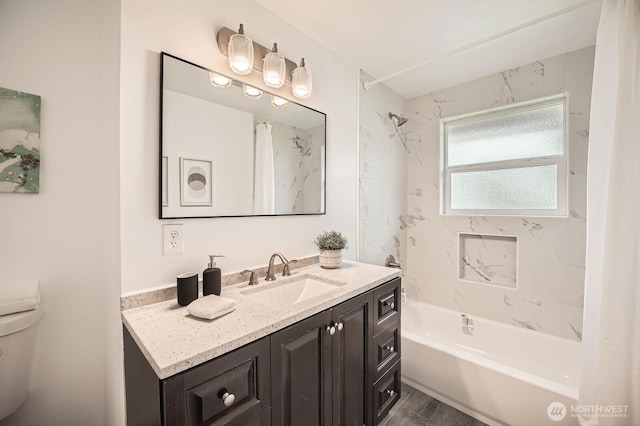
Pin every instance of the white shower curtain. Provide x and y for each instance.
(264, 174)
(610, 363)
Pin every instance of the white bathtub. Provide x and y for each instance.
(501, 374)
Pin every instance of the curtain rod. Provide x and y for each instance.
(492, 37)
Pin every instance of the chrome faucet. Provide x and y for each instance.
(253, 280)
(390, 262)
(285, 269)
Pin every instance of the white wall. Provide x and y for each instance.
(206, 131)
(187, 29)
(383, 176)
(550, 252)
(67, 52)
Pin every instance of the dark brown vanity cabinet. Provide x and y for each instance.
(341, 366)
(338, 367)
(320, 367)
(230, 390)
(386, 348)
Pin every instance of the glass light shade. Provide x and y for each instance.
(301, 83)
(278, 102)
(218, 80)
(240, 53)
(251, 92)
(274, 68)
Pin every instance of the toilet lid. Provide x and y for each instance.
(15, 322)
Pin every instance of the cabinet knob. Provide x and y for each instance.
(391, 392)
(389, 348)
(340, 326)
(331, 329)
(228, 399)
(390, 304)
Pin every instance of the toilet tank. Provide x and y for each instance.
(17, 342)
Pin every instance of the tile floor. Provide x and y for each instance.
(416, 408)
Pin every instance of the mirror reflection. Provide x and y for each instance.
(229, 151)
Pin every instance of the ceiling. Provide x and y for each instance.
(385, 37)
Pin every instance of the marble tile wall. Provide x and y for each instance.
(296, 154)
(383, 174)
(550, 251)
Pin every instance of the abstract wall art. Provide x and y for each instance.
(195, 182)
(19, 142)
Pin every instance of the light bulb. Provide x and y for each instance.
(240, 52)
(301, 82)
(251, 92)
(278, 102)
(274, 68)
(219, 80)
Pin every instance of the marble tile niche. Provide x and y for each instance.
(488, 259)
(548, 296)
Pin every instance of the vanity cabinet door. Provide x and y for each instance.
(352, 360)
(301, 373)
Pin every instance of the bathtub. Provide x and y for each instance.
(501, 374)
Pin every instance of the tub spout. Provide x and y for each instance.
(390, 262)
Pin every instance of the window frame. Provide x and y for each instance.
(561, 161)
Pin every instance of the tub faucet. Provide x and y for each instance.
(390, 262)
(285, 269)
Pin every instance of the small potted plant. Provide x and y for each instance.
(331, 244)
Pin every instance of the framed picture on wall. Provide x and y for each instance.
(165, 181)
(195, 182)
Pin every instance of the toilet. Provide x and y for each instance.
(17, 342)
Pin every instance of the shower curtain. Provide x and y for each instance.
(264, 174)
(610, 363)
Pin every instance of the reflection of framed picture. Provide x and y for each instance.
(195, 182)
(165, 181)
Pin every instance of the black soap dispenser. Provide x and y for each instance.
(212, 278)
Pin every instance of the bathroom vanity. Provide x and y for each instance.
(330, 359)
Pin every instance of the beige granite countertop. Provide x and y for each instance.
(173, 341)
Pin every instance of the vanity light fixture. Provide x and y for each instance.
(251, 92)
(240, 52)
(247, 55)
(301, 83)
(274, 68)
(278, 102)
(219, 80)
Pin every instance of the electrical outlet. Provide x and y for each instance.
(172, 239)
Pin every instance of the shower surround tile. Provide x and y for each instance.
(382, 182)
(551, 251)
(296, 156)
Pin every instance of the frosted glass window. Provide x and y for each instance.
(508, 161)
(530, 188)
(525, 134)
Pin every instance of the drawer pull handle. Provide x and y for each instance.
(340, 326)
(228, 399)
(389, 348)
(391, 392)
(390, 304)
(331, 329)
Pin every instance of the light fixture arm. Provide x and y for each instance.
(259, 52)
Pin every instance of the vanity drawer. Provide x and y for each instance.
(386, 392)
(387, 304)
(386, 349)
(230, 390)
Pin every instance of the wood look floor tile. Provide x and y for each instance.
(415, 409)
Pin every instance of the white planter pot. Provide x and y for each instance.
(330, 259)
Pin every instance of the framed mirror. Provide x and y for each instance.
(223, 153)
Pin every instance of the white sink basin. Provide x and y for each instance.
(293, 291)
